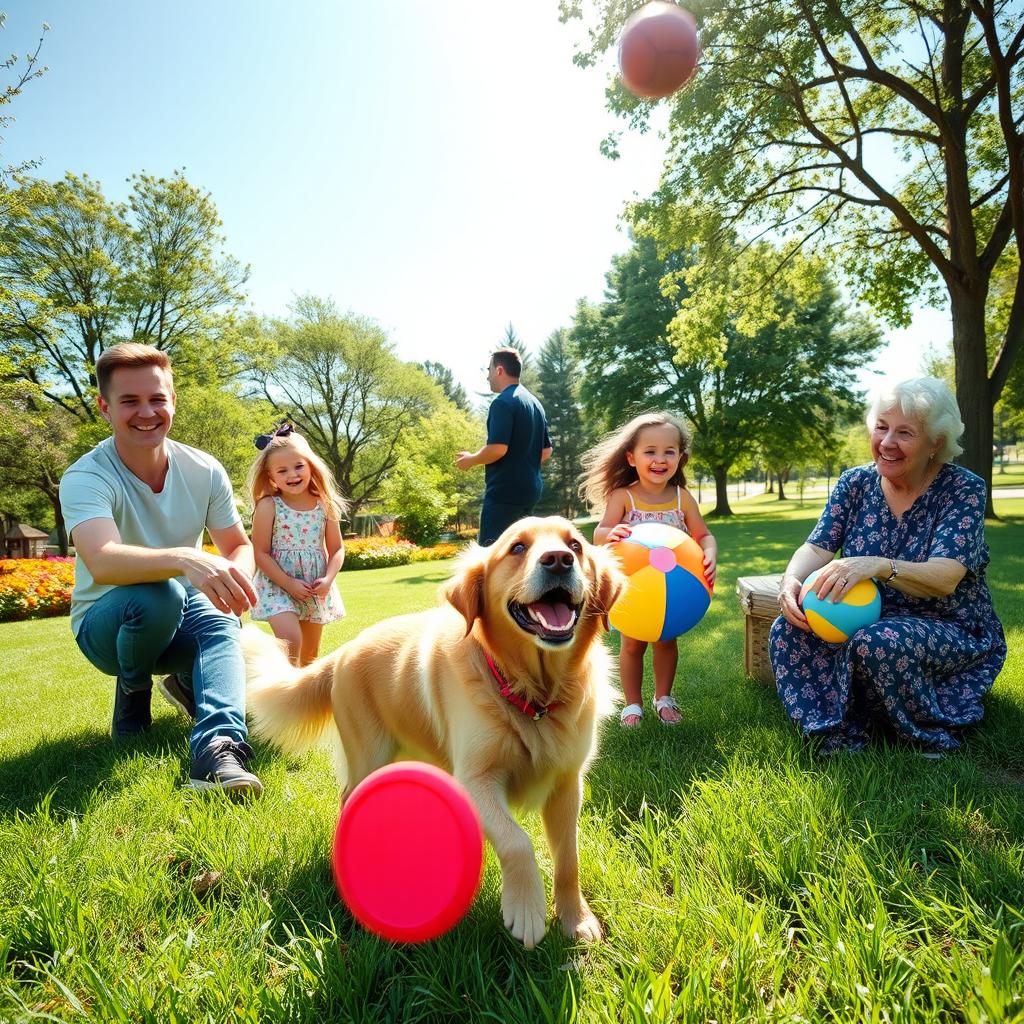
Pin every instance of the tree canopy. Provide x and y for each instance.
(445, 380)
(336, 377)
(748, 363)
(80, 273)
(893, 134)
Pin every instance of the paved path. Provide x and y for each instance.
(819, 491)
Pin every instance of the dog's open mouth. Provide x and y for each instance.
(552, 617)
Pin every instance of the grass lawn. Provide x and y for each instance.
(738, 877)
(1013, 476)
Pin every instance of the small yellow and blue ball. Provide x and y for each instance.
(835, 622)
(666, 592)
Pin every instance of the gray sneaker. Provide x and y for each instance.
(178, 695)
(222, 766)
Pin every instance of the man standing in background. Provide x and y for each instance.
(517, 444)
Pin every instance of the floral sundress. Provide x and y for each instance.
(921, 670)
(297, 545)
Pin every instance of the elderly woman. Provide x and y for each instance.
(914, 522)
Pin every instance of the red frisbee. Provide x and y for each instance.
(408, 852)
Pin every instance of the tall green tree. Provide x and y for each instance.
(336, 377)
(558, 372)
(37, 442)
(512, 340)
(445, 380)
(623, 343)
(81, 273)
(892, 133)
(428, 455)
(219, 420)
(740, 357)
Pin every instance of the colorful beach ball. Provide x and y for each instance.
(666, 593)
(837, 622)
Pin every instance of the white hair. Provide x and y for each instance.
(928, 400)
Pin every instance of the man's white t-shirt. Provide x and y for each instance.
(196, 494)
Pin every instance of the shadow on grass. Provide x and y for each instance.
(75, 767)
(476, 971)
(79, 768)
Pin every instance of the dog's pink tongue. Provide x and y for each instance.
(558, 615)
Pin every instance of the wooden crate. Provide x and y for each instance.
(759, 598)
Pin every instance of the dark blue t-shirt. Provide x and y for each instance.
(517, 419)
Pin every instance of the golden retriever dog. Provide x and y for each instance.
(421, 686)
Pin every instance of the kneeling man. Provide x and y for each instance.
(147, 599)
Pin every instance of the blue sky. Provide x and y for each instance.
(434, 166)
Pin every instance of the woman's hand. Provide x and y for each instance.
(789, 602)
(320, 587)
(841, 574)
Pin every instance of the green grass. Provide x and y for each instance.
(738, 877)
(1013, 477)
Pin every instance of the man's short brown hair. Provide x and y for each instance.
(509, 360)
(130, 354)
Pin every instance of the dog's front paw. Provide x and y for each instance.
(582, 925)
(524, 913)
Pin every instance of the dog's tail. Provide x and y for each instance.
(289, 706)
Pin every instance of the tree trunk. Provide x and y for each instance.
(972, 386)
(62, 530)
(782, 492)
(721, 491)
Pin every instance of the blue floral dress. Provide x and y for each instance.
(921, 670)
(297, 545)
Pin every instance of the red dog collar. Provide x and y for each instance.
(513, 698)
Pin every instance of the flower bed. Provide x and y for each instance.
(35, 588)
(379, 552)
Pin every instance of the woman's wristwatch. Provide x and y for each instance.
(895, 572)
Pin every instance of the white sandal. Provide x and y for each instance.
(668, 701)
(628, 711)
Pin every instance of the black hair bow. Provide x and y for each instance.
(284, 428)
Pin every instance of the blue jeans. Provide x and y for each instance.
(137, 630)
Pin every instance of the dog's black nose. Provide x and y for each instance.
(557, 561)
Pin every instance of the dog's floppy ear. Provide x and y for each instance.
(609, 581)
(465, 590)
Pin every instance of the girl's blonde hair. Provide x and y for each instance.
(321, 482)
(605, 467)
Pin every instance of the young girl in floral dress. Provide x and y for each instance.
(296, 536)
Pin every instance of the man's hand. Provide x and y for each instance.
(228, 587)
(484, 457)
